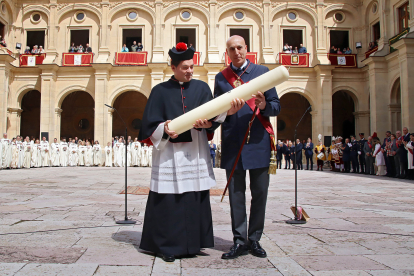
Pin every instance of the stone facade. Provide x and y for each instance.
(375, 87)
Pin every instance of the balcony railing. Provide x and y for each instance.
(396, 38)
(373, 50)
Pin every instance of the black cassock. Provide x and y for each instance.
(176, 224)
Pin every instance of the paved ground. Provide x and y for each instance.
(60, 221)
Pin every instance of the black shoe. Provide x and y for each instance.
(235, 251)
(257, 250)
(168, 258)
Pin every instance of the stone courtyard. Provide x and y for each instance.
(61, 221)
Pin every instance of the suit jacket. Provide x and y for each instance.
(346, 153)
(212, 149)
(279, 153)
(299, 148)
(354, 148)
(255, 154)
(308, 150)
(403, 151)
(367, 148)
(361, 146)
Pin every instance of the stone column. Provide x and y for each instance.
(5, 66)
(383, 43)
(322, 118)
(321, 51)
(379, 96)
(158, 50)
(405, 48)
(51, 51)
(58, 121)
(14, 117)
(213, 52)
(157, 72)
(48, 100)
(362, 122)
(411, 22)
(267, 49)
(103, 52)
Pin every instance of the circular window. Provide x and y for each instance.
(136, 124)
(185, 15)
(83, 124)
(292, 16)
(281, 125)
(132, 15)
(239, 15)
(375, 7)
(339, 17)
(3, 7)
(80, 16)
(35, 18)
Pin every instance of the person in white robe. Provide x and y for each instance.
(89, 155)
(34, 150)
(6, 151)
(15, 154)
(409, 146)
(45, 152)
(82, 153)
(20, 148)
(39, 160)
(108, 155)
(97, 154)
(119, 153)
(73, 154)
(136, 153)
(55, 154)
(150, 149)
(129, 156)
(64, 153)
(27, 144)
(379, 157)
(144, 155)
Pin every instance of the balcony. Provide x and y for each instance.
(396, 38)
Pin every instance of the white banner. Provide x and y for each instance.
(341, 61)
(31, 61)
(78, 59)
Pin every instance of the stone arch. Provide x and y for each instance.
(126, 88)
(12, 16)
(395, 106)
(295, 6)
(135, 5)
(184, 5)
(38, 8)
(246, 6)
(22, 91)
(351, 91)
(343, 112)
(75, 7)
(73, 88)
(299, 90)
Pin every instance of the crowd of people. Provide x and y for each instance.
(393, 157)
(337, 50)
(290, 50)
(28, 153)
(35, 50)
(134, 47)
(80, 49)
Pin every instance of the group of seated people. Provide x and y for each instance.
(337, 50)
(289, 49)
(3, 41)
(134, 47)
(36, 50)
(80, 48)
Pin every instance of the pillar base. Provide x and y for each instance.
(50, 57)
(268, 56)
(103, 55)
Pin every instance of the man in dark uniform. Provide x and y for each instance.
(292, 155)
(255, 155)
(286, 154)
(346, 155)
(279, 154)
(298, 154)
(403, 153)
(354, 154)
(361, 153)
(309, 154)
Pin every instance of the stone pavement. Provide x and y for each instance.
(60, 221)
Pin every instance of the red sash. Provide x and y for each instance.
(410, 150)
(369, 144)
(231, 77)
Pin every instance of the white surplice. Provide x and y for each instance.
(409, 147)
(45, 153)
(108, 156)
(55, 155)
(64, 154)
(27, 154)
(97, 154)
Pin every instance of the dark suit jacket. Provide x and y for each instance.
(402, 150)
(299, 148)
(354, 149)
(346, 153)
(212, 149)
(255, 154)
(308, 150)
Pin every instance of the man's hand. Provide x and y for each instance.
(172, 134)
(202, 123)
(236, 105)
(260, 100)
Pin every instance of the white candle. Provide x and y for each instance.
(222, 104)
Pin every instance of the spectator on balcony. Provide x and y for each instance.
(88, 49)
(286, 49)
(80, 49)
(191, 46)
(302, 50)
(35, 50)
(333, 50)
(27, 51)
(348, 51)
(339, 51)
(41, 50)
(296, 50)
(3, 41)
(134, 47)
(73, 48)
(371, 46)
(125, 49)
(140, 47)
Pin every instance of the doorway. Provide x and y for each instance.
(188, 36)
(293, 38)
(340, 39)
(245, 33)
(79, 37)
(35, 38)
(131, 35)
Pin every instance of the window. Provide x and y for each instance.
(132, 15)
(80, 16)
(185, 15)
(292, 16)
(245, 33)
(339, 17)
(376, 31)
(339, 39)
(403, 17)
(79, 37)
(293, 38)
(239, 15)
(186, 35)
(3, 7)
(131, 35)
(374, 8)
(35, 38)
(35, 18)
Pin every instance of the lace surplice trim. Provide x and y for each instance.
(174, 174)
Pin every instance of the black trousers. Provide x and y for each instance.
(391, 160)
(279, 163)
(347, 166)
(287, 161)
(259, 185)
(361, 158)
(404, 167)
(355, 165)
(299, 164)
(309, 159)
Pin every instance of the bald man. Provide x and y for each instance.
(255, 156)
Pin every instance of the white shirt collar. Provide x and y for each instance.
(243, 66)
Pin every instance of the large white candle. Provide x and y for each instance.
(221, 104)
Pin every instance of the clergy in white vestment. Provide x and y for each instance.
(73, 154)
(120, 153)
(45, 152)
(409, 146)
(97, 154)
(34, 150)
(27, 144)
(129, 156)
(64, 153)
(15, 154)
(6, 151)
(39, 160)
(144, 155)
(55, 154)
(89, 155)
(150, 148)
(20, 148)
(136, 153)
(108, 155)
(82, 153)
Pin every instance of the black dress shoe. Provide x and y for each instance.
(257, 250)
(235, 251)
(168, 258)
